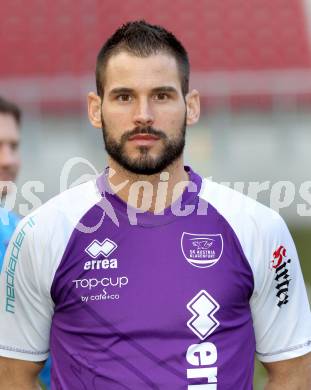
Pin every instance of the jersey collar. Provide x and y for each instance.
(149, 219)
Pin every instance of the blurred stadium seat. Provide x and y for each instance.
(238, 49)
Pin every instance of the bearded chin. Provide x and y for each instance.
(144, 164)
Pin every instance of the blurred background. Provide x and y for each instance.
(251, 62)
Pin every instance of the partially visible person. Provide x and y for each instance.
(10, 161)
(10, 118)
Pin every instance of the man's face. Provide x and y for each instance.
(9, 149)
(143, 112)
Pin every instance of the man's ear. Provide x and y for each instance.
(94, 109)
(193, 107)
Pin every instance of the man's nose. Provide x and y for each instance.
(143, 115)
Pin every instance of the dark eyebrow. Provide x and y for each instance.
(121, 90)
(117, 91)
(164, 89)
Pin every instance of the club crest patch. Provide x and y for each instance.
(202, 250)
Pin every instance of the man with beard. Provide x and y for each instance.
(151, 277)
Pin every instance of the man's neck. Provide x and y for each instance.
(152, 193)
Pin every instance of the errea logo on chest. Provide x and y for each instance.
(100, 264)
(104, 248)
(97, 248)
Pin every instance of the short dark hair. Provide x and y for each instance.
(7, 107)
(142, 40)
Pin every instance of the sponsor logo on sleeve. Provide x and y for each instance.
(280, 265)
(202, 250)
(202, 357)
(15, 249)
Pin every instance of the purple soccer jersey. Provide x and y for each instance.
(132, 300)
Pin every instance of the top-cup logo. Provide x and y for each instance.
(202, 250)
(97, 248)
(279, 264)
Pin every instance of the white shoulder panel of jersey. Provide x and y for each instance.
(56, 220)
(249, 219)
(32, 258)
(279, 303)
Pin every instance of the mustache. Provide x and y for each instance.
(143, 130)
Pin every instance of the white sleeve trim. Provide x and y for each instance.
(285, 354)
(23, 354)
